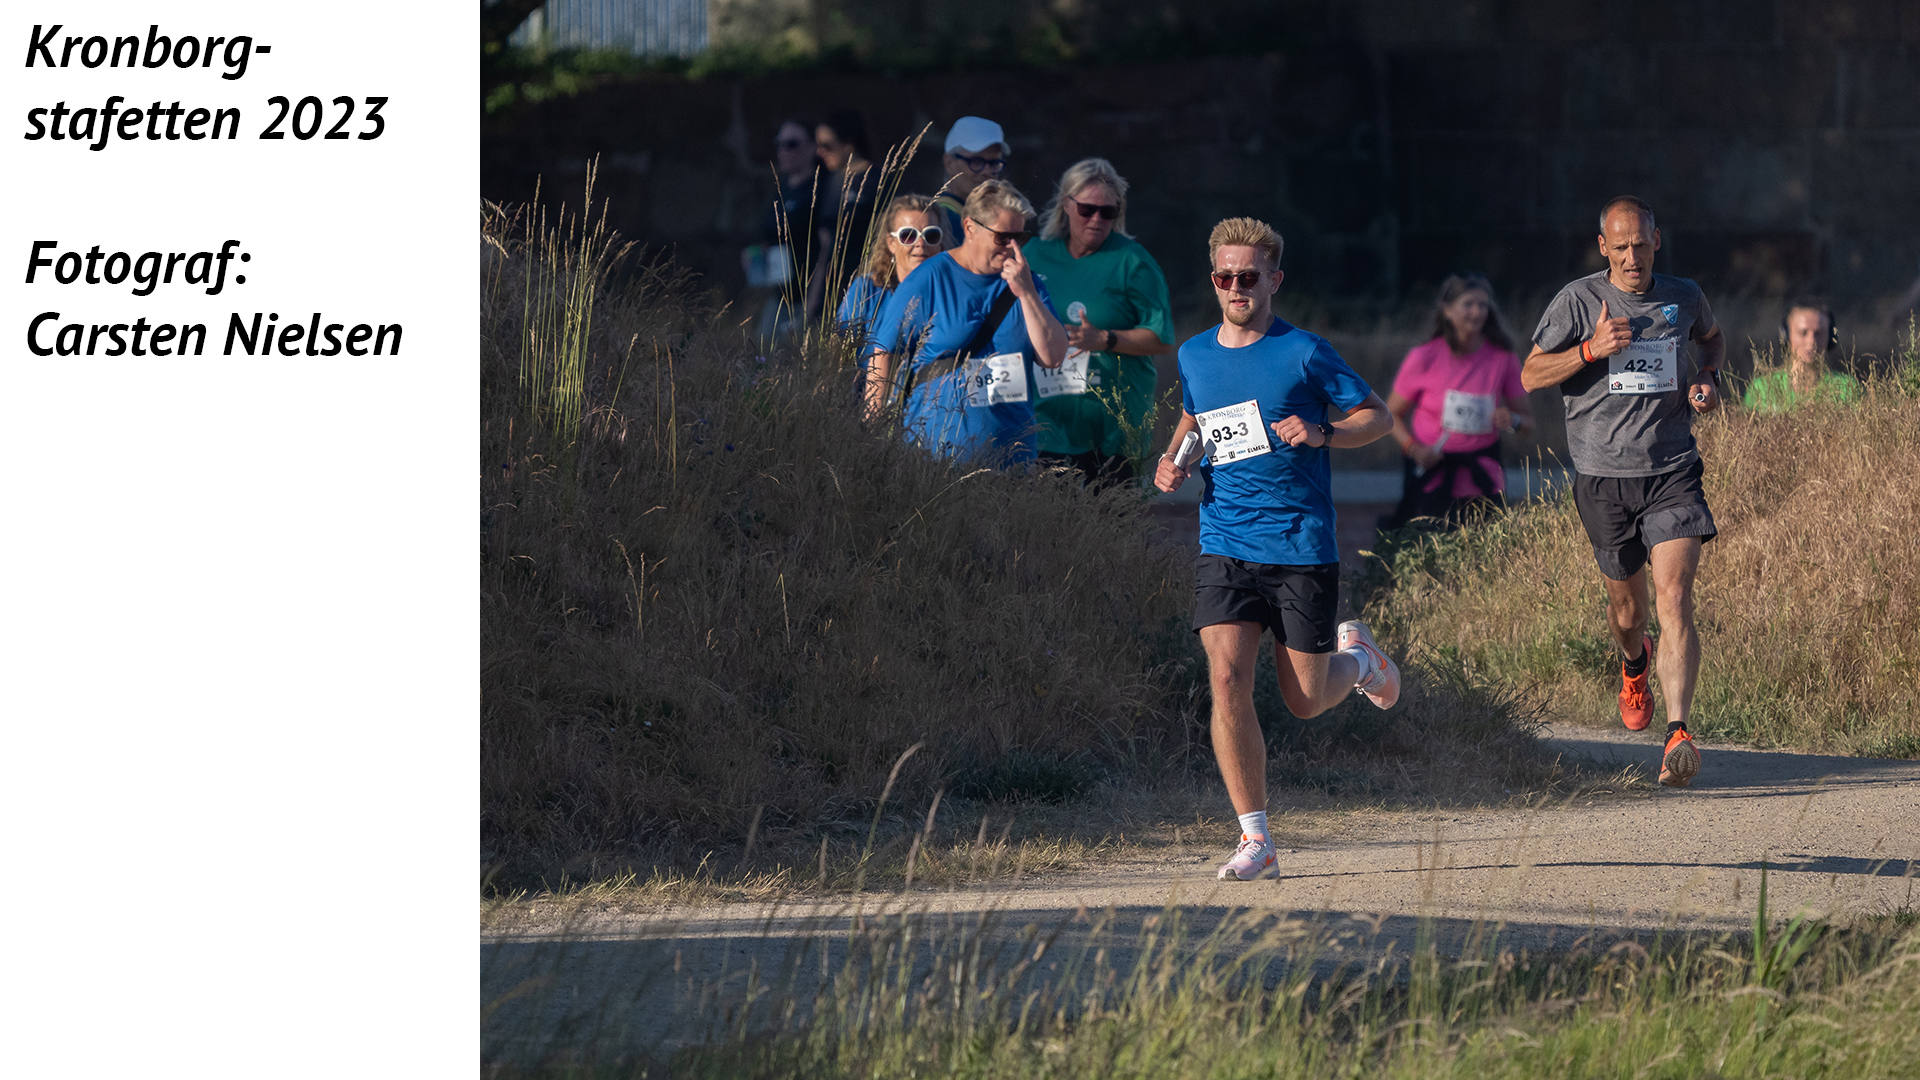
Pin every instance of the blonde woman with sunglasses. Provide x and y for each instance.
(914, 233)
(960, 341)
(1095, 413)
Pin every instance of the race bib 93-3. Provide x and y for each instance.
(1233, 433)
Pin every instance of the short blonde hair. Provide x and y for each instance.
(1245, 232)
(880, 267)
(1093, 170)
(997, 195)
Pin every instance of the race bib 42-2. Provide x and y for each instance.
(1233, 433)
(1645, 367)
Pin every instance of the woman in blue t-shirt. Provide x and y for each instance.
(960, 337)
(913, 235)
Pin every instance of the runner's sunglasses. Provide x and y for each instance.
(908, 235)
(1087, 209)
(989, 166)
(1002, 239)
(1224, 279)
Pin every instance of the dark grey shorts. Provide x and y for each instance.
(1298, 603)
(1626, 516)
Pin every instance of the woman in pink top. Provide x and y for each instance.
(1453, 399)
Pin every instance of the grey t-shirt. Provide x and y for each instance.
(1611, 429)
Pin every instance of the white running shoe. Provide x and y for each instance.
(1383, 686)
(1253, 859)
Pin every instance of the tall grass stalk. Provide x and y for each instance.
(565, 265)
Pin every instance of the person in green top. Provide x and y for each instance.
(1809, 333)
(1095, 411)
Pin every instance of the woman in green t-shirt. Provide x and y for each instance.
(1809, 334)
(1096, 410)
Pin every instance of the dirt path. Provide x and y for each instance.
(1840, 836)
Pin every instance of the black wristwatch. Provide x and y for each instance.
(1326, 432)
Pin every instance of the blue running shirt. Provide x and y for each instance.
(1277, 507)
(933, 315)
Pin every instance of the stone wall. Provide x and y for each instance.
(1396, 141)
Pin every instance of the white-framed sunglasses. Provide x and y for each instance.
(909, 235)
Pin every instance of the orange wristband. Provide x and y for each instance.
(1586, 352)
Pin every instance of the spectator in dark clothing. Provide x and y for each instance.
(788, 231)
(852, 188)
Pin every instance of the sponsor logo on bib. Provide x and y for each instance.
(1233, 433)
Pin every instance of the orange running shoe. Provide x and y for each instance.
(1636, 701)
(1681, 761)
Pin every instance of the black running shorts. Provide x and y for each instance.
(1297, 603)
(1626, 516)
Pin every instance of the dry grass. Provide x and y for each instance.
(1806, 600)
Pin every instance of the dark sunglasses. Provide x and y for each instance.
(1224, 279)
(1002, 239)
(909, 235)
(792, 144)
(1087, 209)
(995, 166)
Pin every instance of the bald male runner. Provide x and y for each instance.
(1615, 343)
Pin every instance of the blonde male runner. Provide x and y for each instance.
(1259, 392)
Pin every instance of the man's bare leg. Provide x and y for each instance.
(1627, 612)
(1232, 648)
(1312, 683)
(1675, 564)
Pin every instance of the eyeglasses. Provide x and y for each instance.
(989, 166)
(1088, 210)
(1224, 279)
(1002, 239)
(908, 235)
(792, 144)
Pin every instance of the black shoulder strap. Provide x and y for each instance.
(983, 337)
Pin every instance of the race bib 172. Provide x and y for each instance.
(1233, 433)
(1069, 378)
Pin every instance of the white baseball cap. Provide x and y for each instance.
(976, 133)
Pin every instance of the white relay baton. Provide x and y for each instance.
(1189, 450)
(1439, 444)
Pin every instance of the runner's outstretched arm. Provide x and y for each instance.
(1544, 368)
(1704, 392)
(1368, 421)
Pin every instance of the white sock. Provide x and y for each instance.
(1255, 824)
(1369, 667)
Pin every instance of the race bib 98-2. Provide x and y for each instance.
(1233, 433)
(1000, 379)
(1645, 367)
